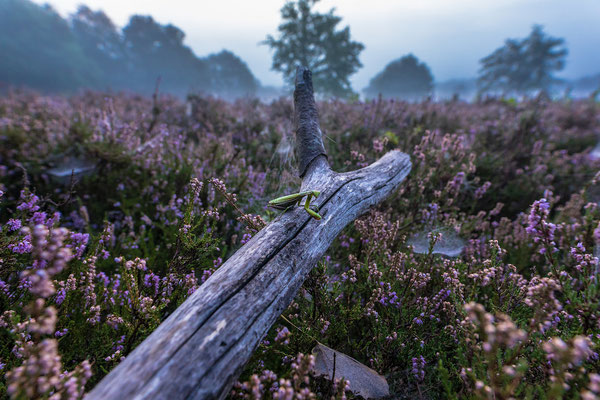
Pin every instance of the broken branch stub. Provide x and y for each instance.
(309, 140)
(199, 351)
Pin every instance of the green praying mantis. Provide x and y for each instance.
(285, 202)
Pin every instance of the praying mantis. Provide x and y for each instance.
(285, 202)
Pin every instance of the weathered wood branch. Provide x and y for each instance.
(199, 351)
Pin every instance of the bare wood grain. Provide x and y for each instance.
(199, 351)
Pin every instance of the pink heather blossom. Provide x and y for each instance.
(482, 190)
(283, 335)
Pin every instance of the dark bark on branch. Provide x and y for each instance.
(309, 140)
(201, 349)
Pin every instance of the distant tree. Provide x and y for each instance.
(230, 76)
(38, 49)
(523, 66)
(102, 43)
(309, 38)
(404, 78)
(158, 50)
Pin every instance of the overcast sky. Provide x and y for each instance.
(449, 35)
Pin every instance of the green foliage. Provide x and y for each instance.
(308, 38)
(405, 78)
(523, 66)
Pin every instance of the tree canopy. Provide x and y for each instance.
(311, 39)
(158, 50)
(523, 66)
(230, 76)
(405, 78)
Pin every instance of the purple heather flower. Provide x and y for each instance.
(482, 190)
(79, 241)
(28, 202)
(246, 238)
(14, 224)
(38, 218)
(61, 294)
(456, 182)
(283, 335)
(538, 227)
(61, 333)
(418, 368)
(22, 247)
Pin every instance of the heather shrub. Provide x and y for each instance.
(478, 278)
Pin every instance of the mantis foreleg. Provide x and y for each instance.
(307, 207)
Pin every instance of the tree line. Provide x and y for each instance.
(40, 49)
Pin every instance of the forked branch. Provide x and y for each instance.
(199, 351)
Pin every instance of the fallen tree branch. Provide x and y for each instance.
(199, 351)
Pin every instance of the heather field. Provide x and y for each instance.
(477, 279)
